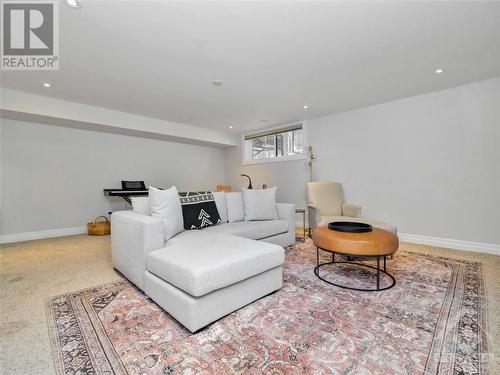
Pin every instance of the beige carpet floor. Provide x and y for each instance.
(31, 272)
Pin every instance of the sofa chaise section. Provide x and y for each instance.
(200, 277)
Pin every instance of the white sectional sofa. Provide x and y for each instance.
(199, 276)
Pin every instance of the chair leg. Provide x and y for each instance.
(309, 231)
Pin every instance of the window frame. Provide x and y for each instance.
(302, 156)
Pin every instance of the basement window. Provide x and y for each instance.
(276, 144)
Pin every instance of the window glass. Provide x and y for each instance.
(275, 145)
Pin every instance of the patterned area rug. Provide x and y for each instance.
(431, 322)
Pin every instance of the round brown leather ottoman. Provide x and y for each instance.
(377, 244)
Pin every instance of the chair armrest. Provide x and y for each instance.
(313, 216)
(133, 236)
(351, 210)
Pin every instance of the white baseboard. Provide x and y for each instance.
(28, 236)
(478, 247)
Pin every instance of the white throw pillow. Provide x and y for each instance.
(167, 205)
(220, 202)
(260, 204)
(235, 210)
(140, 205)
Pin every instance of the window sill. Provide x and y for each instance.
(275, 160)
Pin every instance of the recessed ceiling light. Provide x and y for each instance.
(73, 3)
(230, 127)
(306, 107)
(46, 84)
(217, 83)
(439, 70)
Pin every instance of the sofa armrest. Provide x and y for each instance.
(351, 210)
(133, 236)
(313, 216)
(286, 211)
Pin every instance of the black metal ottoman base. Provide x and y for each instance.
(379, 270)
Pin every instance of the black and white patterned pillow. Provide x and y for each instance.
(199, 209)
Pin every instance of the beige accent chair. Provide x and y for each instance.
(325, 203)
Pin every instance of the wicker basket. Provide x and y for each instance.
(225, 188)
(99, 228)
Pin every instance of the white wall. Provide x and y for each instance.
(52, 176)
(429, 163)
(290, 176)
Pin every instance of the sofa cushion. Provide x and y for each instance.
(166, 205)
(235, 210)
(140, 205)
(260, 204)
(199, 262)
(375, 223)
(255, 230)
(199, 209)
(220, 202)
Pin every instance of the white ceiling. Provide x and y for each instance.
(158, 58)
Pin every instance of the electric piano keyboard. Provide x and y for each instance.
(125, 194)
